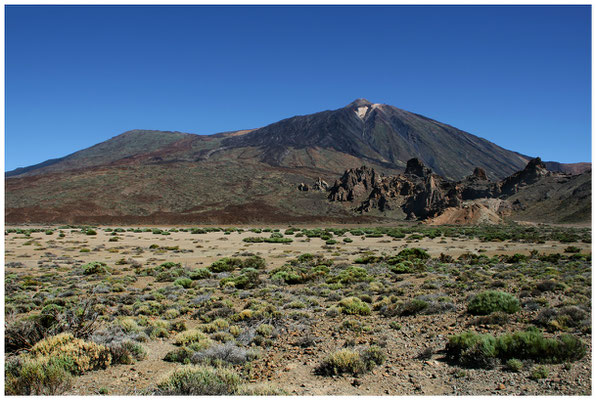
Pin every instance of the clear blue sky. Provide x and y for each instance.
(76, 76)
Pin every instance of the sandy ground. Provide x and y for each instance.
(206, 248)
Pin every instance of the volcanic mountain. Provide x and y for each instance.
(145, 176)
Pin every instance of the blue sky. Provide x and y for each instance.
(76, 76)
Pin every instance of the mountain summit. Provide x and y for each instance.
(383, 135)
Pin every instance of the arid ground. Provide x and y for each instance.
(308, 311)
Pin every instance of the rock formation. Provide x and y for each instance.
(319, 185)
(421, 194)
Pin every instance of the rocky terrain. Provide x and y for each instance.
(420, 194)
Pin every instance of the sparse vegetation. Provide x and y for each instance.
(268, 312)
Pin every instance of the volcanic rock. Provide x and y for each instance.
(415, 167)
(421, 194)
(320, 185)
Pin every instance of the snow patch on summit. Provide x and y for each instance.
(361, 112)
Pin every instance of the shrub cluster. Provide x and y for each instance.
(351, 361)
(247, 279)
(200, 381)
(353, 305)
(95, 268)
(482, 351)
(491, 301)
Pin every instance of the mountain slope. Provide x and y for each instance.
(385, 135)
(245, 176)
(127, 144)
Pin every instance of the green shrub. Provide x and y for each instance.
(572, 249)
(488, 302)
(265, 330)
(514, 365)
(253, 239)
(372, 356)
(95, 268)
(353, 305)
(247, 279)
(127, 352)
(290, 274)
(76, 355)
(351, 361)
(260, 389)
(181, 355)
(340, 362)
(531, 344)
(351, 275)
(200, 381)
(184, 282)
(413, 254)
(129, 325)
(38, 377)
(539, 372)
(413, 307)
(255, 262)
(226, 264)
(192, 336)
(404, 267)
(476, 350)
(199, 273)
(368, 259)
(472, 350)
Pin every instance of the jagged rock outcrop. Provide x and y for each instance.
(421, 194)
(354, 185)
(418, 192)
(320, 185)
(534, 171)
(479, 174)
(415, 167)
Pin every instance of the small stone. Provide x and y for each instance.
(501, 386)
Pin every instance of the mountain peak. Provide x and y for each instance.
(359, 103)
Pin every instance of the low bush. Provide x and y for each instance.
(192, 336)
(351, 361)
(351, 275)
(77, 355)
(200, 381)
(539, 372)
(491, 301)
(514, 365)
(37, 377)
(127, 352)
(227, 353)
(255, 262)
(226, 264)
(260, 389)
(184, 282)
(476, 350)
(199, 273)
(95, 268)
(353, 305)
(413, 307)
(550, 286)
(247, 279)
